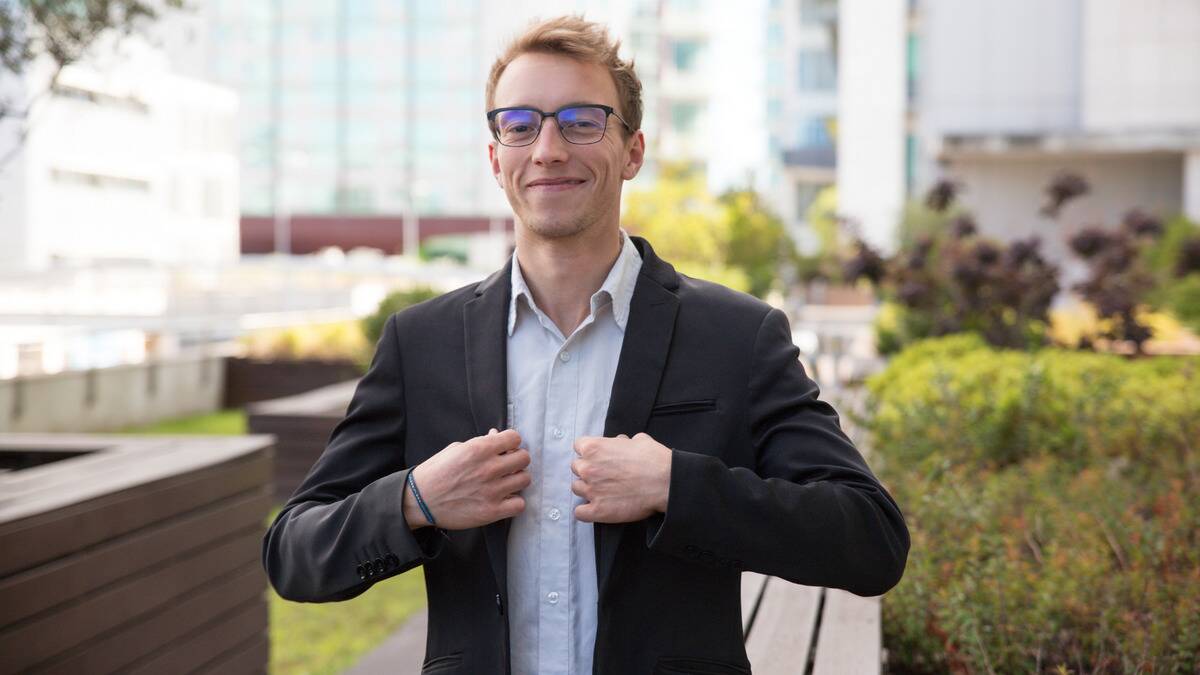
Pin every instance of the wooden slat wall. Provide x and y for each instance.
(301, 425)
(782, 633)
(251, 380)
(141, 557)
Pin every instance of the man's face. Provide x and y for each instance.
(556, 188)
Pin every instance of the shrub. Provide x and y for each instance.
(372, 324)
(1053, 499)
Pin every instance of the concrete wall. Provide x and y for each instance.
(109, 399)
(1001, 66)
(1141, 65)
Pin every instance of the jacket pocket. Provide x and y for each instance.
(441, 664)
(680, 407)
(678, 665)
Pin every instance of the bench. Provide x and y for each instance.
(804, 629)
(789, 629)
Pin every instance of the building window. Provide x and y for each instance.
(813, 12)
(683, 116)
(818, 72)
(814, 133)
(685, 54)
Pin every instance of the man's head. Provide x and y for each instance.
(562, 184)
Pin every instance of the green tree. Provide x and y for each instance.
(734, 240)
(59, 33)
(372, 324)
(758, 244)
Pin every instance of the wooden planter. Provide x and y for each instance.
(133, 554)
(301, 426)
(250, 380)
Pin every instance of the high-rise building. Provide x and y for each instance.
(365, 107)
(801, 88)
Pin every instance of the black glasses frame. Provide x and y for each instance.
(608, 110)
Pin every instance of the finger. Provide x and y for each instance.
(513, 461)
(585, 513)
(622, 436)
(581, 488)
(575, 466)
(511, 506)
(491, 431)
(514, 482)
(584, 443)
(501, 441)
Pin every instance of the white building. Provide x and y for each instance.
(1004, 94)
(123, 160)
(801, 88)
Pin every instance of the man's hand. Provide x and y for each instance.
(623, 479)
(471, 483)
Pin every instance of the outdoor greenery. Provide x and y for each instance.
(372, 325)
(732, 239)
(1053, 498)
(342, 340)
(946, 278)
(224, 422)
(328, 638)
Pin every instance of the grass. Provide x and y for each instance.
(224, 422)
(307, 638)
(320, 638)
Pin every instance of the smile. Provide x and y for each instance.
(556, 185)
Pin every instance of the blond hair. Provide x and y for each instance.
(582, 40)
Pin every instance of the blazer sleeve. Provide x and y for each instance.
(344, 529)
(812, 512)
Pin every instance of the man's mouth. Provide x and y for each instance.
(555, 184)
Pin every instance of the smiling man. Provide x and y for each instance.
(585, 450)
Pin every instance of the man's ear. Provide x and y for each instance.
(635, 156)
(495, 161)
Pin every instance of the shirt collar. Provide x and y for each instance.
(617, 287)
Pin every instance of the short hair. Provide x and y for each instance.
(582, 40)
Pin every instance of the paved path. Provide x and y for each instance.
(400, 654)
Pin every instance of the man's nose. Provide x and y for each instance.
(550, 146)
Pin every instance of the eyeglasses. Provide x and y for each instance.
(578, 124)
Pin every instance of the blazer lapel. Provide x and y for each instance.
(485, 319)
(644, 351)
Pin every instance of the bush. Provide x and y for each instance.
(1053, 500)
(372, 324)
(331, 341)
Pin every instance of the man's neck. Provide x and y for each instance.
(563, 274)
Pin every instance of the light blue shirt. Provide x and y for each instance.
(558, 390)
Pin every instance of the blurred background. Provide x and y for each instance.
(981, 217)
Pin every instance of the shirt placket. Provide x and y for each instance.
(555, 519)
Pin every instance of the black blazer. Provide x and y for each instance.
(762, 479)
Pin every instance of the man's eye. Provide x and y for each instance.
(517, 128)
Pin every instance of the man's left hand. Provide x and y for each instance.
(623, 479)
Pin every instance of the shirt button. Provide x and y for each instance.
(554, 514)
(558, 433)
(564, 356)
(552, 596)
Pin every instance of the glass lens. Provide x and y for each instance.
(517, 127)
(583, 124)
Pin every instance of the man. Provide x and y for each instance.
(603, 444)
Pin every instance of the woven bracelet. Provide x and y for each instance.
(412, 485)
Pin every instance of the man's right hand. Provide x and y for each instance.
(471, 483)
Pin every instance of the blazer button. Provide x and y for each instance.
(379, 565)
(392, 560)
(362, 573)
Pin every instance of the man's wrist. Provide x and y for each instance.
(413, 515)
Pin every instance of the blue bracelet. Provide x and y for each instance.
(412, 485)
